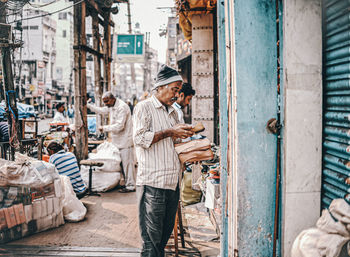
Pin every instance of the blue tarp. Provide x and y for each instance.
(24, 110)
(91, 124)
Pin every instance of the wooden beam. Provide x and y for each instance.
(9, 87)
(89, 50)
(94, 6)
(97, 66)
(107, 53)
(81, 128)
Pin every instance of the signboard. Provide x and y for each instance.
(184, 48)
(130, 48)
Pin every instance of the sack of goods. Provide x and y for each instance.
(331, 235)
(108, 176)
(194, 151)
(30, 198)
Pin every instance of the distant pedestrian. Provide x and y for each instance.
(155, 128)
(66, 164)
(60, 114)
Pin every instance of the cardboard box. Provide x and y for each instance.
(43, 208)
(10, 217)
(36, 210)
(16, 232)
(28, 212)
(56, 205)
(59, 219)
(3, 224)
(58, 188)
(49, 202)
(45, 223)
(25, 230)
(19, 213)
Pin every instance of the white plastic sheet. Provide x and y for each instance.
(73, 208)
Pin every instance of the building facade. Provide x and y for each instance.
(269, 93)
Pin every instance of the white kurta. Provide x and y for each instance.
(120, 123)
(59, 117)
(121, 133)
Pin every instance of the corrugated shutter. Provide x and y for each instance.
(336, 115)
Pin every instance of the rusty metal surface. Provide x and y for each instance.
(23, 250)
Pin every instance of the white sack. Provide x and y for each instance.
(101, 181)
(329, 225)
(109, 154)
(340, 210)
(26, 171)
(330, 245)
(73, 208)
(305, 245)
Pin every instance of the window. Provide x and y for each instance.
(64, 33)
(34, 27)
(62, 16)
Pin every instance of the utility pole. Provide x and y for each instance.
(81, 130)
(9, 88)
(132, 66)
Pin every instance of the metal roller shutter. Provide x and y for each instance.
(336, 114)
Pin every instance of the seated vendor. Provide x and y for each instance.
(4, 131)
(66, 164)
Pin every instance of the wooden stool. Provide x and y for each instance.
(91, 164)
(178, 226)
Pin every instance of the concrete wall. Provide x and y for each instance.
(302, 138)
(203, 72)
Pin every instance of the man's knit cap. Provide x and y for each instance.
(166, 75)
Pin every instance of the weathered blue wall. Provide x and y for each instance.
(221, 20)
(255, 72)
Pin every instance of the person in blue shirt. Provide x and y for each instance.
(66, 164)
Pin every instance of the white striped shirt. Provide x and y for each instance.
(66, 164)
(158, 163)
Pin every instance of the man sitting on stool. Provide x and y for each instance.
(66, 164)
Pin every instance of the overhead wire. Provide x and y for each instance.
(42, 5)
(49, 13)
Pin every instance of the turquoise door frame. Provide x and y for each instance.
(255, 152)
(222, 71)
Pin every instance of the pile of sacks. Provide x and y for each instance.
(331, 234)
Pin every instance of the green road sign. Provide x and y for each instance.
(130, 44)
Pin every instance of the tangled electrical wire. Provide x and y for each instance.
(15, 5)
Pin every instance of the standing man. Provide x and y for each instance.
(183, 99)
(59, 115)
(121, 131)
(155, 129)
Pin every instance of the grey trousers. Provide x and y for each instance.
(127, 157)
(157, 211)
